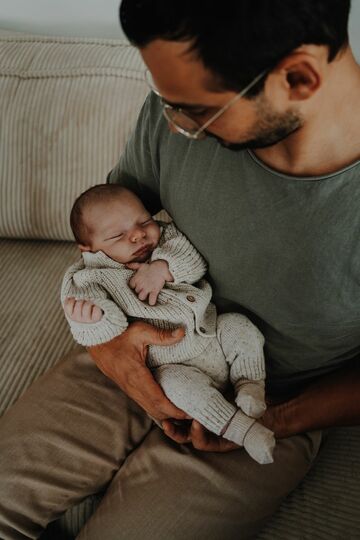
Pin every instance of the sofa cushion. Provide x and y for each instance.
(67, 107)
(34, 334)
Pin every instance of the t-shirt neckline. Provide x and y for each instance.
(300, 178)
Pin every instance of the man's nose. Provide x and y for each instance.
(137, 234)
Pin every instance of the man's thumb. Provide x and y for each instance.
(166, 337)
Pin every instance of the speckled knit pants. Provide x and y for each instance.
(196, 385)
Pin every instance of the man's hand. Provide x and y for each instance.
(123, 360)
(82, 311)
(149, 279)
(198, 436)
(275, 419)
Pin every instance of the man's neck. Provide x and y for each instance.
(329, 140)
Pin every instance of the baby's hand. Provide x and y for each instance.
(149, 279)
(82, 311)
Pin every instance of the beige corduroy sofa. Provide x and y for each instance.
(67, 107)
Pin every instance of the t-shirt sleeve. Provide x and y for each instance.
(138, 167)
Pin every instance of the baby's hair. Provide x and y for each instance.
(95, 194)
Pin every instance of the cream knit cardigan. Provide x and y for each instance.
(98, 278)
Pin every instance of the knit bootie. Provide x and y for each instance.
(250, 397)
(258, 441)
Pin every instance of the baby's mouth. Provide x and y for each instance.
(143, 250)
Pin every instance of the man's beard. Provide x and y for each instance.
(271, 128)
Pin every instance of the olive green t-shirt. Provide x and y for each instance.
(282, 249)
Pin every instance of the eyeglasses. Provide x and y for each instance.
(182, 121)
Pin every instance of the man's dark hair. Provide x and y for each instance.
(238, 39)
(95, 194)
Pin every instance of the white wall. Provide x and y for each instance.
(355, 27)
(95, 18)
(90, 18)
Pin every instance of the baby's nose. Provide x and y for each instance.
(137, 234)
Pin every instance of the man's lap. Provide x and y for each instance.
(74, 432)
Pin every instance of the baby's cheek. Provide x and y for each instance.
(155, 233)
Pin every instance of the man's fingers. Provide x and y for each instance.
(155, 336)
(198, 435)
(178, 433)
(151, 397)
(202, 439)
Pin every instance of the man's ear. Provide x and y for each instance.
(84, 248)
(302, 73)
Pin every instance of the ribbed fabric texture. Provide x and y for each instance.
(33, 330)
(67, 108)
(326, 504)
(238, 427)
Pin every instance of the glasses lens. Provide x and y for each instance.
(183, 123)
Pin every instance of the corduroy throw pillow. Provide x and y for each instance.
(67, 108)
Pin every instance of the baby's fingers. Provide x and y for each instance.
(90, 312)
(153, 298)
(69, 306)
(96, 314)
(133, 266)
(77, 311)
(143, 294)
(82, 311)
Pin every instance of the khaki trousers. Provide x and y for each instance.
(74, 433)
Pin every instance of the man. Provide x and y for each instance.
(270, 199)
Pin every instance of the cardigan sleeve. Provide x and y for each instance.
(186, 265)
(113, 322)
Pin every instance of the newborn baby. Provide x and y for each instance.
(135, 268)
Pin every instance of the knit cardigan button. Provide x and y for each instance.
(202, 330)
(190, 298)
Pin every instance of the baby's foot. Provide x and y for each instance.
(257, 440)
(259, 443)
(251, 398)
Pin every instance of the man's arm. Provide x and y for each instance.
(332, 400)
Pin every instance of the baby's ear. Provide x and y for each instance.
(83, 248)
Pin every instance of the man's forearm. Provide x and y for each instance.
(333, 400)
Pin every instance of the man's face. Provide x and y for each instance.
(183, 81)
(123, 229)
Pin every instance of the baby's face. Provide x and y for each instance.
(123, 229)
